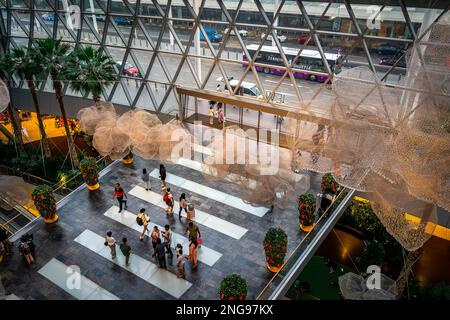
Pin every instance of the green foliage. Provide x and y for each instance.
(374, 254)
(233, 287)
(44, 201)
(89, 171)
(90, 70)
(306, 208)
(328, 184)
(275, 246)
(52, 56)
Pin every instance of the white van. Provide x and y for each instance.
(248, 88)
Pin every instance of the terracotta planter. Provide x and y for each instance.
(52, 220)
(128, 161)
(274, 269)
(94, 187)
(306, 228)
(241, 297)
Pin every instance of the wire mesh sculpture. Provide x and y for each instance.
(4, 96)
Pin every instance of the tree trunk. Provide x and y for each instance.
(44, 140)
(96, 99)
(17, 128)
(59, 96)
(402, 280)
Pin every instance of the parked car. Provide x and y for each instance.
(388, 49)
(281, 38)
(247, 88)
(212, 34)
(390, 60)
(121, 21)
(48, 17)
(303, 37)
(128, 69)
(242, 32)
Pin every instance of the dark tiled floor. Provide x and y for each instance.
(85, 211)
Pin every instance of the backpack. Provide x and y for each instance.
(167, 199)
(139, 221)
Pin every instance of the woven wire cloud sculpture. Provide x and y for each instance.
(390, 142)
(4, 96)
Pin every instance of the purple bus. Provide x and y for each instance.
(309, 60)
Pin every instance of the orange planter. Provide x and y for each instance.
(52, 220)
(94, 187)
(128, 161)
(274, 269)
(306, 228)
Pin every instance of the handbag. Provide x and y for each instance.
(199, 242)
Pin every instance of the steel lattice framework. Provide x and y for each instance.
(168, 53)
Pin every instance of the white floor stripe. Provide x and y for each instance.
(211, 193)
(201, 217)
(57, 272)
(140, 267)
(205, 254)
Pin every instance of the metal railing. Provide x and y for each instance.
(291, 269)
(13, 216)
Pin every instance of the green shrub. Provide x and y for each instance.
(275, 245)
(233, 287)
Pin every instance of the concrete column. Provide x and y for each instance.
(197, 41)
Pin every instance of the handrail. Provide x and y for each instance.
(21, 174)
(286, 275)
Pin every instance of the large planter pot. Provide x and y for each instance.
(51, 220)
(128, 161)
(274, 269)
(94, 187)
(89, 173)
(306, 228)
(45, 203)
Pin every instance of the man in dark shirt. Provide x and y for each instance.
(161, 254)
(126, 250)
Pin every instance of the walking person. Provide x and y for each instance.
(168, 199)
(183, 204)
(162, 175)
(193, 252)
(180, 264)
(29, 239)
(167, 236)
(111, 243)
(126, 250)
(211, 114)
(25, 251)
(143, 219)
(155, 235)
(119, 194)
(193, 231)
(146, 179)
(161, 254)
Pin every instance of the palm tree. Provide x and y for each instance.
(17, 128)
(90, 70)
(23, 63)
(52, 56)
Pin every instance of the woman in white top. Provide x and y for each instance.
(111, 243)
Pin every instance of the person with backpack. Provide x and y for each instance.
(167, 236)
(183, 204)
(193, 231)
(111, 243)
(161, 254)
(143, 219)
(25, 251)
(146, 179)
(155, 235)
(119, 194)
(162, 175)
(29, 239)
(126, 250)
(168, 199)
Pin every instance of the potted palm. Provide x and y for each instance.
(45, 203)
(306, 210)
(233, 287)
(275, 245)
(89, 172)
